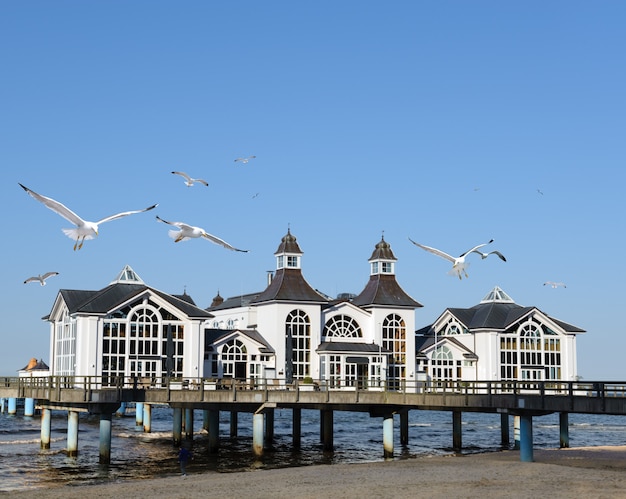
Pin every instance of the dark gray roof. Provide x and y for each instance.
(107, 299)
(235, 301)
(289, 285)
(383, 289)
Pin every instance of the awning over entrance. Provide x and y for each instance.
(357, 360)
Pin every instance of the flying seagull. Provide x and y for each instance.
(459, 265)
(41, 278)
(84, 229)
(244, 160)
(190, 181)
(554, 284)
(187, 232)
(485, 255)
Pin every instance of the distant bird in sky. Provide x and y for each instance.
(553, 284)
(41, 278)
(255, 195)
(190, 181)
(187, 232)
(244, 160)
(459, 265)
(84, 229)
(540, 192)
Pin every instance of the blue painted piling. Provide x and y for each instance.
(2, 400)
(72, 433)
(526, 439)
(12, 406)
(105, 438)
(122, 409)
(29, 407)
(46, 426)
(139, 413)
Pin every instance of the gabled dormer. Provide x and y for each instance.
(288, 254)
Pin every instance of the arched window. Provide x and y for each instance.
(297, 345)
(342, 326)
(235, 359)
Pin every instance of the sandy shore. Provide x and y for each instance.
(591, 472)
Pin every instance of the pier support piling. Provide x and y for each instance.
(139, 413)
(516, 432)
(564, 430)
(189, 423)
(29, 407)
(177, 426)
(214, 431)
(257, 433)
(269, 428)
(504, 430)
(296, 427)
(105, 437)
(457, 431)
(388, 436)
(46, 426)
(328, 428)
(526, 439)
(404, 428)
(12, 406)
(72, 433)
(233, 423)
(147, 418)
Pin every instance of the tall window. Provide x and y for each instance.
(235, 359)
(65, 348)
(113, 352)
(394, 339)
(445, 368)
(144, 343)
(533, 353)
(298, 343)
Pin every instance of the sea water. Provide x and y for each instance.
(356, 436)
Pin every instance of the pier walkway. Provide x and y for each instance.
(522, 400)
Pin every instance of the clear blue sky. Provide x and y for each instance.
(440, 121)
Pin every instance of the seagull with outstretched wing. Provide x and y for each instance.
(41, 278)
(244, 160)
(186, 232)
(189, 181)
(84, 228)
(459, 265)
(555, 285)
(485, 255)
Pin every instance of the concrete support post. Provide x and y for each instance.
(328, 429)
(404, 428)
(122, 410)
(2, 399)
(257, 434)
(457, 431)
(189, 423)
(29, 407)
(504, 430)
(564, 430)
(296, 427)
(233, 423)
(388, 436)
(516, 431)
(177, 426)
(46, 426)
(526, 439)
(105, 438)
(269, 428)
(147, 418)
(205, 420)
(139, 414)
(12, 406)
(322, 426)
(72, 433)
(214, 431)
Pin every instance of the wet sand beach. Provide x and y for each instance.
(590, 472)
